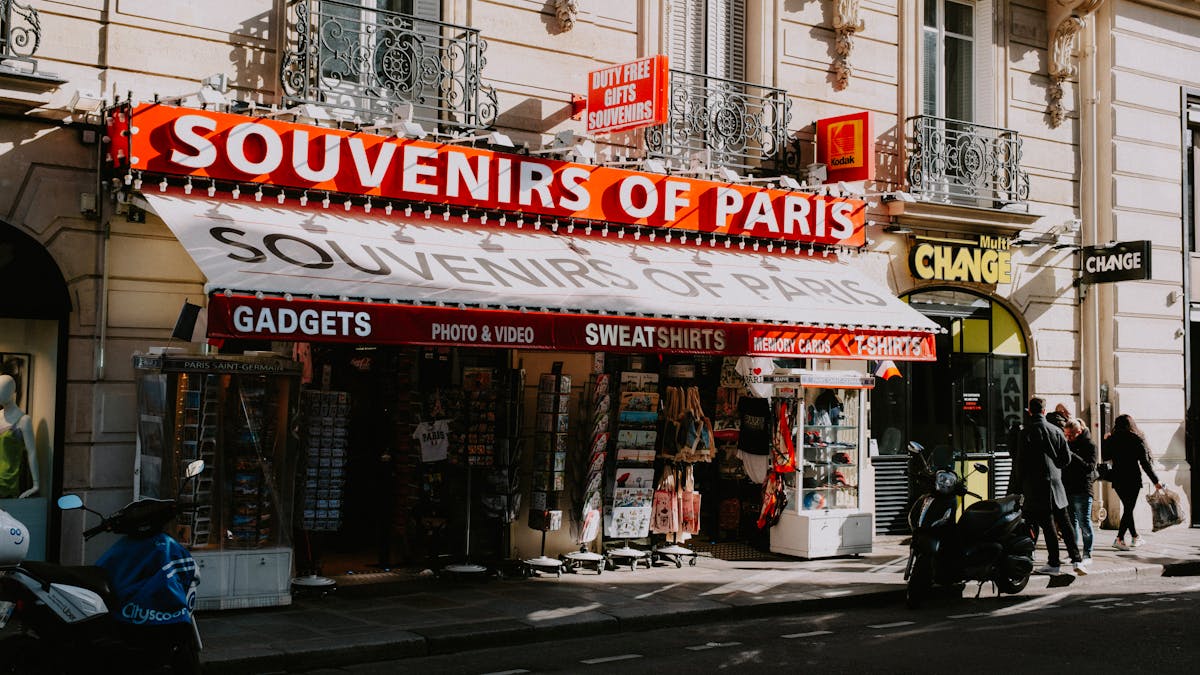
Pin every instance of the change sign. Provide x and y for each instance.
(1122, 261)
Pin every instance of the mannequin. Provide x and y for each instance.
(16, 440)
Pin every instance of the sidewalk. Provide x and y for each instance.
(429, 616)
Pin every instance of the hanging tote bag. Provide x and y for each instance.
(774, 500)
(689, 503)
(673, 411)
(697, 444)
(664, 517)
(783, 448)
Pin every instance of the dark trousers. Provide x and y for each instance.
(1046, 521)
(1128, 501)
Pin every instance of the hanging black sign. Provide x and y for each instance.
(1123, 261)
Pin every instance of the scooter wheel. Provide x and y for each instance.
(1012, 586)
(920, 581)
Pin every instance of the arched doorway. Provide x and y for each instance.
(965, 403)
(34, 310)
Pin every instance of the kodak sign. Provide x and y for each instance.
(846, 146)
(247, 150)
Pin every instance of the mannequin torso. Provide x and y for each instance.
(16, 443)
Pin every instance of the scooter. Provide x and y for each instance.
(990, 542)
(130, 613)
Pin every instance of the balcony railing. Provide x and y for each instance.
(723, 122)
(20, 32)
(364, 61)
(967, 164)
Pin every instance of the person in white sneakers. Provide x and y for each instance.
(1126, 447)
(1043, 453)
(1077, 478)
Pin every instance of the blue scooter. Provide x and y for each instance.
(130, 613)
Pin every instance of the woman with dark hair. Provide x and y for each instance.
(1126, 447)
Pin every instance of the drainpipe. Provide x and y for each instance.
(1089, 305)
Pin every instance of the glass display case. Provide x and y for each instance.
(234, 413)
(825, 514)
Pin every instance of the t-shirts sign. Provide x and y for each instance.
(627, 95)
(434, 438)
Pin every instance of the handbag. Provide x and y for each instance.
(1104, 470)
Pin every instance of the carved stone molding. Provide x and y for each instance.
(845, 24)
(1066, 19)
(566, 11)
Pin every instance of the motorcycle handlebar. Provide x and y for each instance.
(974, 495)
(93, 531)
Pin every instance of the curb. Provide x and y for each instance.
(453, 638)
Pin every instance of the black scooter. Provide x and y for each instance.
(990, 542)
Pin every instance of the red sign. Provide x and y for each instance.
(307, 320)
(846, 146)
(228, 147)
(627, 96)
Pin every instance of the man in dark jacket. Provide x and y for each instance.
(1078, 477)
(1044, 453)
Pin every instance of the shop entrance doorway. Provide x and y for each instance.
(964, 405)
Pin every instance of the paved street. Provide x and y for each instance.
(1143, 624)
(646, 611)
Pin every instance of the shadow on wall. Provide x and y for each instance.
(254, 67)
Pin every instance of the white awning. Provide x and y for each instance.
(332, 253)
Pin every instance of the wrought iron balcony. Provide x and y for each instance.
(966, 164)
(728, 123)
(364, 61)
(20, 32)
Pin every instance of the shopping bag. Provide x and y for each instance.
(672, 414)
(1164, 504)
(774, 501)
(697, 443)
(664, 516)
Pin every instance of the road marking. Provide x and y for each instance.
(518, 671)
(886, 565)
(1031, 605)
(712, 645)
(1099, 600)
(896, 624)
(967, 616)
(610, 659)
(643, 596)
(836, 592)
(812, 633)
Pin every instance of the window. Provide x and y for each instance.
(958, 60)
(1191, 149)
(708, 37)
(377, 48)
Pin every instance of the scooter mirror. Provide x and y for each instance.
(70, 502)
(194, 468)
(981, 468)
(915, 448)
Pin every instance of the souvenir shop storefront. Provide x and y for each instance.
(458, 359)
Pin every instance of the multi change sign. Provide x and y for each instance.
(1122, 261)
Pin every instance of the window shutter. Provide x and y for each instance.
(427, 9)
(985, 64)
(685, 39)
(726, 55)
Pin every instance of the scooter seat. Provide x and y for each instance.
(997, 507)
(93, 578)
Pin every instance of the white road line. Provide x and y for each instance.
(811, 633)
(518, 671)
(886, 565)
(967, 616)
(896, 624)
(643, 596)
(712, 645)
(1099, 600)
(1031, 605)
(610, 659)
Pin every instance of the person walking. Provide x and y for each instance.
(1044, 453)
(1126, 446)
(1078, 477)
